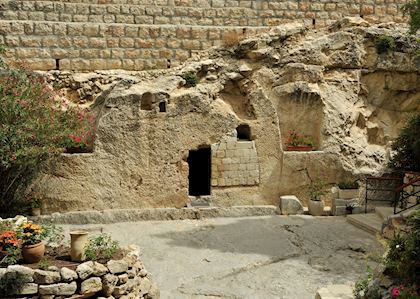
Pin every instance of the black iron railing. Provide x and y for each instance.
(382, 189)
(408, 194)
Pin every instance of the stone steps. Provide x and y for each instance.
(370, 222)
(86, 46)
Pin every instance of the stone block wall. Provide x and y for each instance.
(124, 278)
(146, 34)
(234, 163)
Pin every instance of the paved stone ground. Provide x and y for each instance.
(253, 257)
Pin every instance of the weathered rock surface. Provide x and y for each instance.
(67, 274)
(290, 205)
(331, 85)
(58, 289)
(91, 285)
(46, 277)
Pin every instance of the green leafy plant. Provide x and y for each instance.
(412, 8)
(295, 139)
(407, 147)
(384, 43)
(101, 247)
(12, 256)
(35, 124)
(43, 264)
(361, 285)
(190, 78)
(316, 190)
(36, 203)
(348, 185)
(10, 284)
(403, 258)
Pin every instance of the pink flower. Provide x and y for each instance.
(395, 292)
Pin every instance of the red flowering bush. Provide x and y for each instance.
(295, 139)
(35, 123)
(8, 239)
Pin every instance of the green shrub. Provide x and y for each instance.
(190, 78)
(407, 147)
(384, 43)
(101, 247)
(412, 8)
(35, 124)
(10, 284)
(348, 185)
(403, 258)
(317, 189)
(44, 263)
(361, 285)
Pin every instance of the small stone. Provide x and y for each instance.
(145, 286)
(58, 289)
(234, 76)
(290, 205)
(46, 277)
(98, 268)
(116, 267)
(53, 268)
(143, 272)
(131, 273)
(154, 292)
(84, 270)
(211, 78)
(67, 274)
(109, 282)
(91, 285)
(245, 69)
(123, 278)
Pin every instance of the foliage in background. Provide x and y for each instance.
(384, 44)
(407, 147)
(101, 247)
(348, 185)
(403, 258)
(34, 124)
(190, 78)
(295, 139)
(361, 285)
(412, 8)
(317, 189)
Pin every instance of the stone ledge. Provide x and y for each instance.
(131, 215)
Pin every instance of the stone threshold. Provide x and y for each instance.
(133, 215)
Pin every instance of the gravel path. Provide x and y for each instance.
(253, 257)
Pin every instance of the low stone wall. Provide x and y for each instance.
(124, 278)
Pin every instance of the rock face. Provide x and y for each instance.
(159, 141)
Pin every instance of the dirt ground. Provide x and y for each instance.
(251, 257)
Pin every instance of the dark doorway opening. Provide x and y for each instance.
(199, 177)
(243, 132)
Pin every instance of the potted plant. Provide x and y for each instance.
(315, 204)
(348, 190)
(36, 205)
(296, 142)
(33, 247)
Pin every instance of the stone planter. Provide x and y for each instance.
(348, 193)
(78, 241)
(33, 253)
(315, 207)
(123, 278)
(299, 148)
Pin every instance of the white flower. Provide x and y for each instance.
(397, 246)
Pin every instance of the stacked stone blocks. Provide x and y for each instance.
(235, 163)
(146, 34)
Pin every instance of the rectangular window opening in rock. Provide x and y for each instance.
(199, 177)
(162, 107)
(243, 132)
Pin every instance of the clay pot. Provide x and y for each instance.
(36, 211)
(316, 207)
(78, 242)
(33, 253)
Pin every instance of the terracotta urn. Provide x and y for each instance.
(78, 241)
(33, 253)
(316, 207)
(36, 211)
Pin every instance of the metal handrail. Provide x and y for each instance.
(401, 195)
